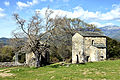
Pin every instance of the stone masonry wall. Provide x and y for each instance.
(94, 52)
(77, 48)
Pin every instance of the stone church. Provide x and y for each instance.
(88, 47)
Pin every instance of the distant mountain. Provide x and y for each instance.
(4, 41)
(112, 31)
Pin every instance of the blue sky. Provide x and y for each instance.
(98, 12)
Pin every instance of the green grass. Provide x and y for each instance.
(105, 70)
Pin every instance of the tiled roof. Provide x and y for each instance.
(91, 34)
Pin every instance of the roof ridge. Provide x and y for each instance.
(90, 33)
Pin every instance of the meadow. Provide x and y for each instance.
(104, 70)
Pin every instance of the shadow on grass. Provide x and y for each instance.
(55, 66)
(58, 65)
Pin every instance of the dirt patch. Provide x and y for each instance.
(51, 71)
(85, 72)
(2, 70)
(52, 77)
(7, 69)
(6, 74)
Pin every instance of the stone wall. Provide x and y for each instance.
(10, 64)
(29, 56)
(77, 48)
(94, 53)
(31, 60)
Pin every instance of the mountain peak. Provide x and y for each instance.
(112, 31)
(111, 27)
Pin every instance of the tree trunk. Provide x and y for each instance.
(38, 59)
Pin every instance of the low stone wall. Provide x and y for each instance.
(9, 64)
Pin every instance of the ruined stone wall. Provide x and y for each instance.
(77, 48)
(31, 61)
(10, 64)
(94, 53)
(29, 57)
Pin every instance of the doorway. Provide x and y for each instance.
(77, 59)
(87, 58)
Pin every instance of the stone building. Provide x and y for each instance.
(45, 58)
(88, 47)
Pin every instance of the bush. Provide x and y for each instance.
(6, 54)
(113, 48)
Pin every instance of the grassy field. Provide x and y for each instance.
(106, 70)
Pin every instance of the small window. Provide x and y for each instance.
(92, 42)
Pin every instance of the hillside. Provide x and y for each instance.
(4, 41)
(112, 31)
(104, 70)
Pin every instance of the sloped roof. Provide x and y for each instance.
(99, 45)
(91, 34)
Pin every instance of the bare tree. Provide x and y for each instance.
(34, 31)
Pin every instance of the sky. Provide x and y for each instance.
(98, 12)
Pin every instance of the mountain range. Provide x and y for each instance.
(4, 41)
(112, 31)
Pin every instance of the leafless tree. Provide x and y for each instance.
(34, 31)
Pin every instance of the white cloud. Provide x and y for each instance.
(79, 12)
(51, 0)
(1, 13)
(96, 24)
(7, 3)
(21, 5)
(108, 24)
(114, 14)
(101, 25)
(55, 12)
(1, 10)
